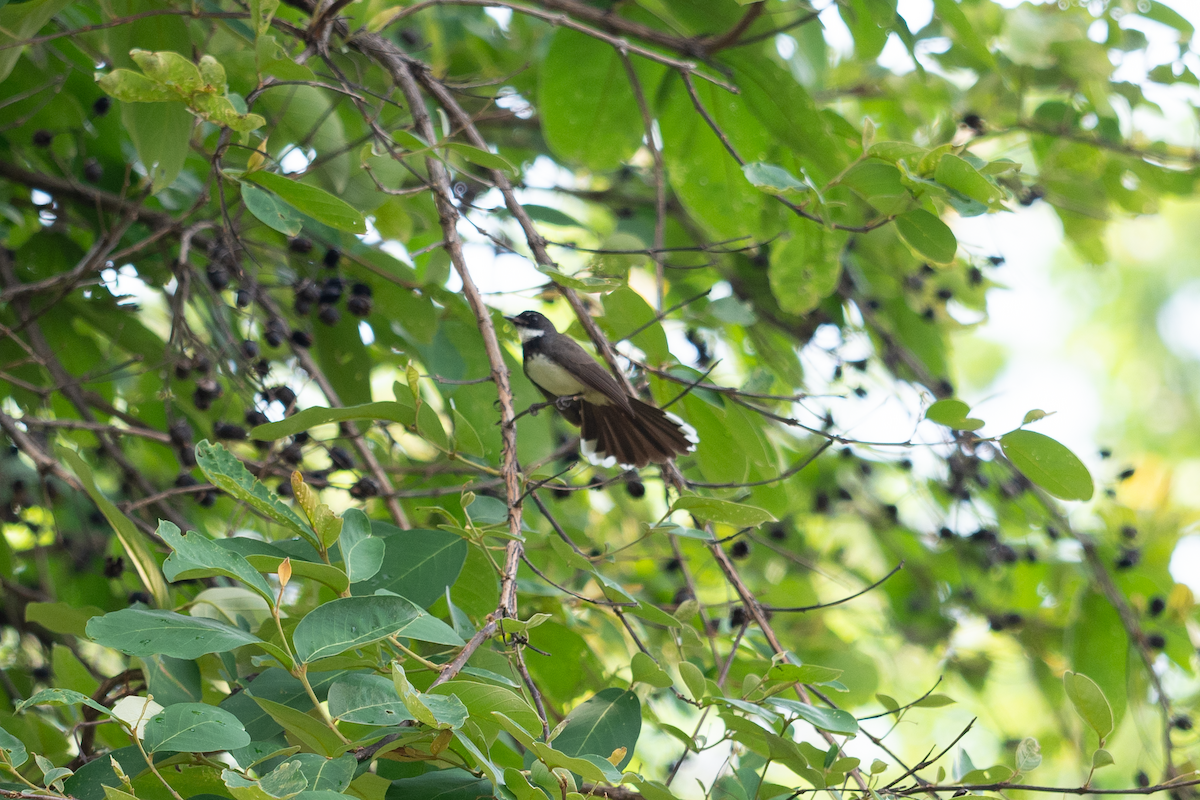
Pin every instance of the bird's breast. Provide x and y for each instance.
(553, 378)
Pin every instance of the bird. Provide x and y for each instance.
(615, 427)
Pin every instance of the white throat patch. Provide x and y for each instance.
(528, 333)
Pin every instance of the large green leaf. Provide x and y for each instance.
(19, 22)
(610, 720)
(194, 727)
(589, 114)
(727, 512)
(805, 268)
(271, 211)
(316, 203)
(417, 564)
(197, 556)
(1090, 702)
(362, 553)
(225, 471)
(366, 699)
(349, 622)
(1049, 464)
(443, 784)
(143, 632)
(928, 235)
(388, 410)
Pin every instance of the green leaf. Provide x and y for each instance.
(362, 553)
(349, 622)
(953, 414)
(934, 701)
(994, 774)
(142, 632)
(551, 216)
(196, 553)
(956, 173)
(773, 179)
(271, 211)
(308, 729)
(965, 34)
(610, 720)
(417, 564)
(1101, 758)
(441, 784)
(644, 670)
(388, 410)
(802, 673)
(128, 535)
(316, 203)
(173, 680)
(60, 617)
(169, 68)
(13, 748)
(479, 157)
(1090, 703)
(484, 700)
(1029, 754)
(194, 728)
(226, 472)
(1049, 464)
(20, 22)
(261, 12)
(60, 697)
(694, 678)
(162, 135)
(133, 87)
(1033, 416)
(266, 558)
(588, 112)
(443, 712)
(928, 235)
(826, 719)
(727, 512)
(366, 699)
(805, 268)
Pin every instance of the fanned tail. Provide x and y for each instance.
(612, 437)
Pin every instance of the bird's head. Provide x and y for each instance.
(531, 324)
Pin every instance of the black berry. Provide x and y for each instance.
(329, 315)
(740, 549)
(92, 171)
(101, 105)
(42, 138)
(332, 257)
(227, 430)
(359, 305)
(249, 349)
(114, 566)
(300, 245)
(302, 339)
(1157, 606)
(366, 487)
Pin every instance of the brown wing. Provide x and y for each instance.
(566, 350)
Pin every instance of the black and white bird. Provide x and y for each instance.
(615, 427)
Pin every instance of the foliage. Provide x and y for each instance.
(277, 523)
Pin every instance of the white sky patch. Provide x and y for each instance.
(503, 16)
(1179, 321)
(296, 160)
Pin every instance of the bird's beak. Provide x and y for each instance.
(513, 320)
